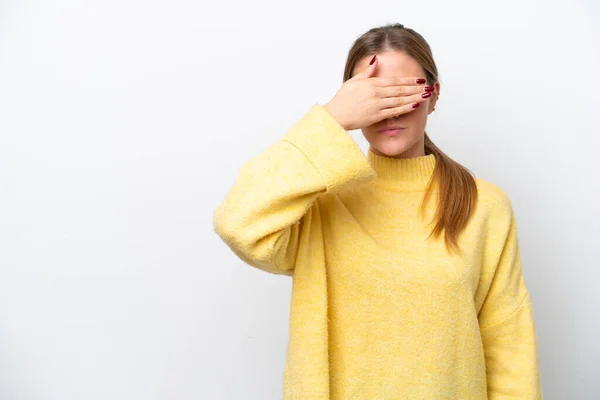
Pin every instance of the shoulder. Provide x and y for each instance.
(492, 197)
(494, 211)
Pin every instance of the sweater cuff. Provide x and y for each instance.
(330, 148)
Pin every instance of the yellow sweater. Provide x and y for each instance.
(377, 311)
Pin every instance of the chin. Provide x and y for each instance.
(391, 148)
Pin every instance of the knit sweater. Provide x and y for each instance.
(378, 311)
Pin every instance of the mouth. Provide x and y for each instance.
(392, 130)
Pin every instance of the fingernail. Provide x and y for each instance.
(428, 88)
(426, 95)
(416, 105)
(421, 81)
(373, 60)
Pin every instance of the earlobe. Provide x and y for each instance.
(436, 98)
(432, 106)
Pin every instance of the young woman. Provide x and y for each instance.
(407, 279)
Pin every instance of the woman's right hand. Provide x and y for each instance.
(364, 100)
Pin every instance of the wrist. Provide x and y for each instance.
(332, 112)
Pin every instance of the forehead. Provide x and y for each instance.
(391, 63)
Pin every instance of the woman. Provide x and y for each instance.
(407, 280)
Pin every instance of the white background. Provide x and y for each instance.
(124, 123)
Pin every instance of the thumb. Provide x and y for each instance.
(369, 71)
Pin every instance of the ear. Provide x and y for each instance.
(434, 97)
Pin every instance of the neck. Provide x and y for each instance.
(402, 174)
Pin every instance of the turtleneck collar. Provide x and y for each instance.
(402, 174)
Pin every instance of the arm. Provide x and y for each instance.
(506, 320)
(265, 215)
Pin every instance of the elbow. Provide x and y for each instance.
(255, 249)
(227, 229)
(241, 239)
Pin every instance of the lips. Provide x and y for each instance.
(392, 128)
(391, 132)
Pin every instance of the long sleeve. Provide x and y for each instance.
(266, 215)
(506, 320)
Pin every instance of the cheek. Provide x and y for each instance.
(414, 119)
(418, 117)
(419, 112)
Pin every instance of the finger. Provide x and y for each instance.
(401, 90)
(417, 98)
(395, 111)
(395, 102)
(368, 72)
(397, 81)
